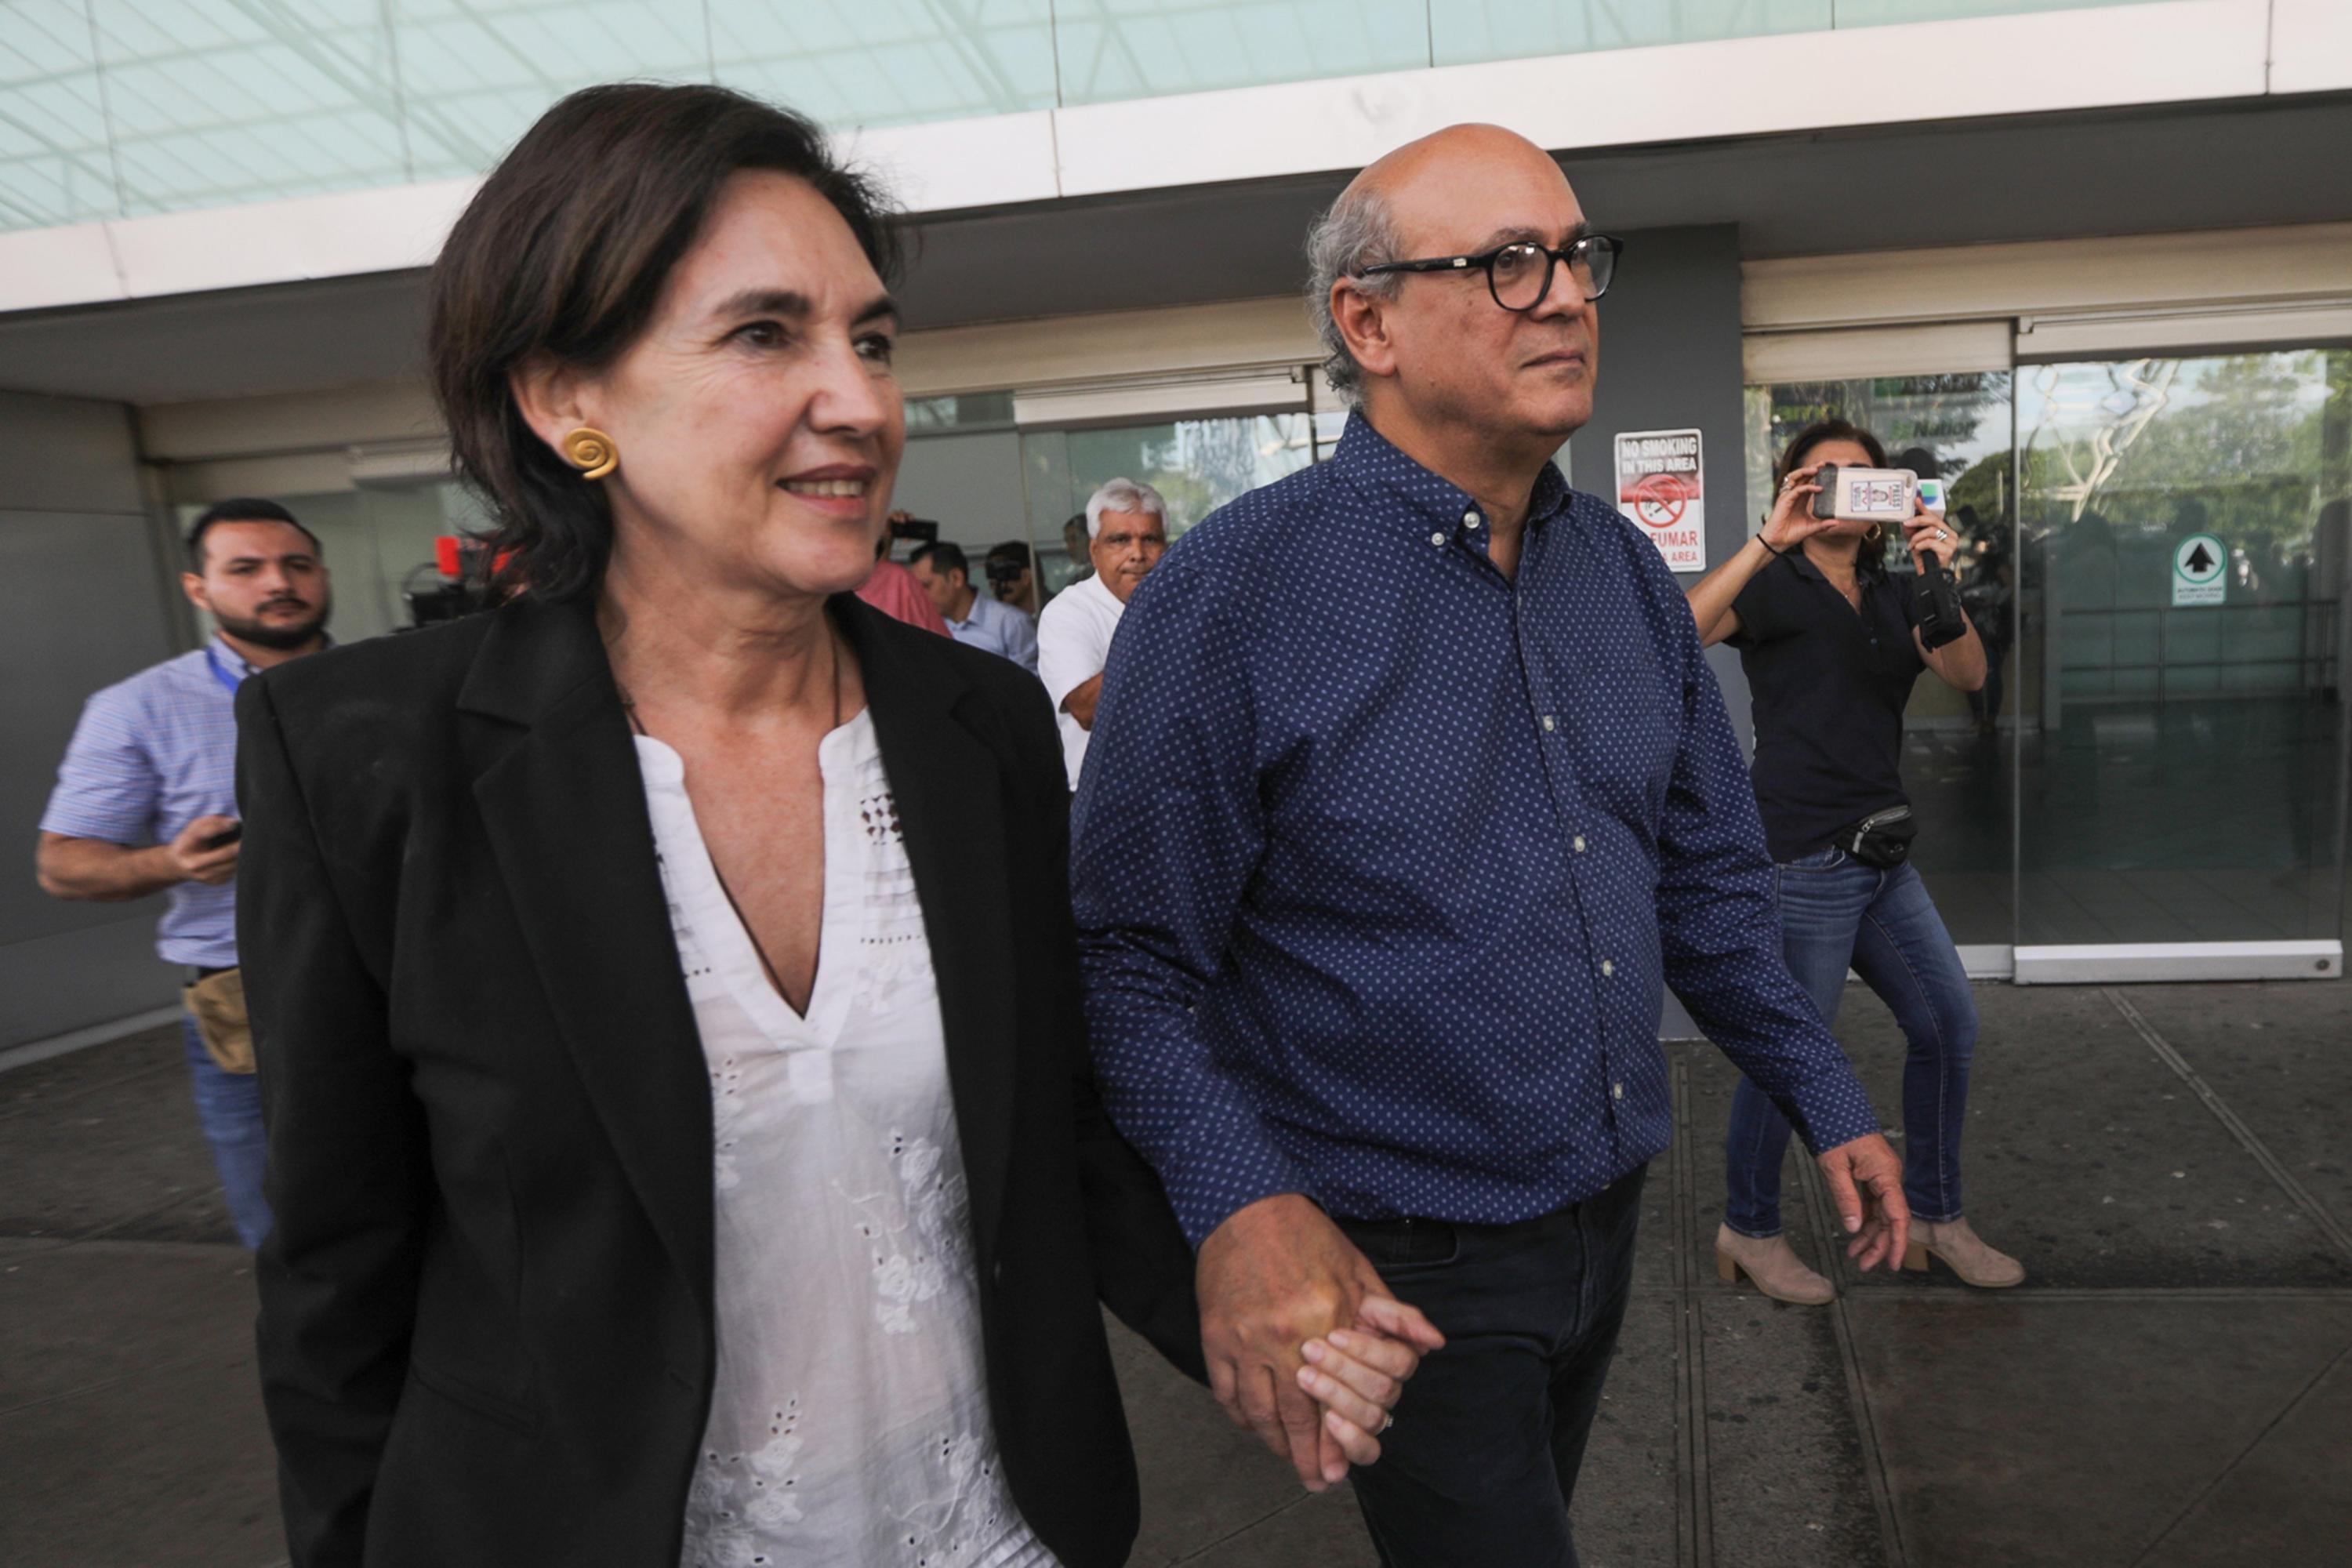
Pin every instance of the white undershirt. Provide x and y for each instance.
(850, 1421)
(1072, 644)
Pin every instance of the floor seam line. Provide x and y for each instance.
(2029, 1295)
(2225, 1472)
(78, 1390)
(2170, 1056)
(144, 1369)
(1203, 1551)
(35, 1106)
(1693, 1484)
(1881, 1490)
(105, 1232)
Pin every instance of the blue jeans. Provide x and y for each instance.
(1835, 913)
(228, 1106)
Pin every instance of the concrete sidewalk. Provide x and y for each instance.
(2173, 1387)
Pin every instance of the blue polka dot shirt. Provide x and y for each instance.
(1381, 859)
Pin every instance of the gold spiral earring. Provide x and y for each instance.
(591, 452)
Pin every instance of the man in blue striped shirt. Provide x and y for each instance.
(146, 798)
(1410, 791)
(980, 620)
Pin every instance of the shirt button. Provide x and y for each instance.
(1616, 1091)
(1437, 539)
(1471, 519)
(1607, 968)
(1548, 724)
(1579, 842)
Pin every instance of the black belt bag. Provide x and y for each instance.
(1882, 839)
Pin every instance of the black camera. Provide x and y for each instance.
(1006, 563)
(1890, 496)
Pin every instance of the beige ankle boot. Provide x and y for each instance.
(1963, 1252)
(1772, 1265)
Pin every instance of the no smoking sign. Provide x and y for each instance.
(1660, 499)
(1660, 486)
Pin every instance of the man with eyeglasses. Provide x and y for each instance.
(1381, 873)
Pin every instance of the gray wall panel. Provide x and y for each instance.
(77, 978)
(62, 453)
(85, 616)
(87, 608)
(1670, 359)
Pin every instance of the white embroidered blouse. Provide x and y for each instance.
(850, 1423)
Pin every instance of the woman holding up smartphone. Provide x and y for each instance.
(1831, 647)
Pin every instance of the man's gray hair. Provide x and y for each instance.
(1354, 233)
(1124, 495)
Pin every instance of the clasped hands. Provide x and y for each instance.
(1307, 1348)
(1304, 1345)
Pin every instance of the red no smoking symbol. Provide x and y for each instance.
(1659, 499)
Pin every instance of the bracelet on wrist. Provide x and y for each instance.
(1767, 545)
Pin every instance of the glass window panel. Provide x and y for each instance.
(1462, 31)
(213, 102)
(474, 74)
(1875, 13)
(1113, 50)
(962, 411)
(1958, 764)
(1198, 465)
(887, 62)
(54, 165)
(2184, 781)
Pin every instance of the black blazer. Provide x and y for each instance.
(487, 1328)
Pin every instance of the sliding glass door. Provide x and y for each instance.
(2182, 774)
(2155, 550)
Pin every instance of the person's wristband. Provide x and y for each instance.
(1766, 543)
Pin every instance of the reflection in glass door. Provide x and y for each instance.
(1957, 766)
(2182, 774)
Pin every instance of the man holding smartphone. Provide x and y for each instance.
(146, 803)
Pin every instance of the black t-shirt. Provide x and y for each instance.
(1828, 686)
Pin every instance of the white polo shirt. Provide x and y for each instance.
(1072, 644)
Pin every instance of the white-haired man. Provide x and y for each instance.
(1127, 533)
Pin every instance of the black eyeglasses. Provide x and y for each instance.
(1518, 275)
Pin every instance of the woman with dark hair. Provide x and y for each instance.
(1831, 647)
(681, 1131)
